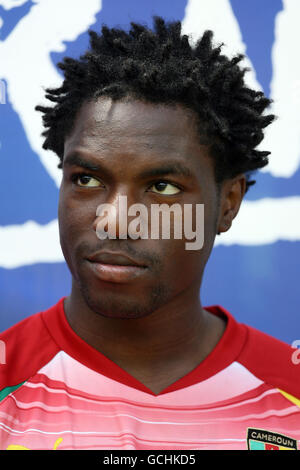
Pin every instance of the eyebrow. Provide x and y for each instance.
(169, 168)
(75, 160)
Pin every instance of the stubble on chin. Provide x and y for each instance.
(112, 307)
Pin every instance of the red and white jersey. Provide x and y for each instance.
(58, 392)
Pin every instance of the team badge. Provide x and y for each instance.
(260, 439)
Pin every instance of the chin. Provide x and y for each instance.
(124, 306)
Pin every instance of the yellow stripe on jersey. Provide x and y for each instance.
(293, 399)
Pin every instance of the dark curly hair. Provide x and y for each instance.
(161, 66)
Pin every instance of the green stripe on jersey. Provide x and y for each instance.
(6, 391)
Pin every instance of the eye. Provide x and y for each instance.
(164, 188)
(86, 181)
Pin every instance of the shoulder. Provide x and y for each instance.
(25, 348)
(272, 361)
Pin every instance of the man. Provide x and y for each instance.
(131, 359)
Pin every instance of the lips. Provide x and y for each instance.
(111, 258)
(115, 267)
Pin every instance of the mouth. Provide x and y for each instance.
(115, 267)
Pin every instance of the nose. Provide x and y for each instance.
(111, 218)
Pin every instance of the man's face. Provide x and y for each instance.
(151, 154)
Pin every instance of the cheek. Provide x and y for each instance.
(184, 262)
(75, 222)
(181, 267)
(209, 227)
(66, 229)
(187, 262)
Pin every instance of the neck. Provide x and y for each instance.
(172, 340)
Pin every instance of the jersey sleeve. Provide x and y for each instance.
(272, 361)
(25, 348)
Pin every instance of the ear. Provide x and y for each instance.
(231, 196)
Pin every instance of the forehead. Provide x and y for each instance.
(133, 128)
